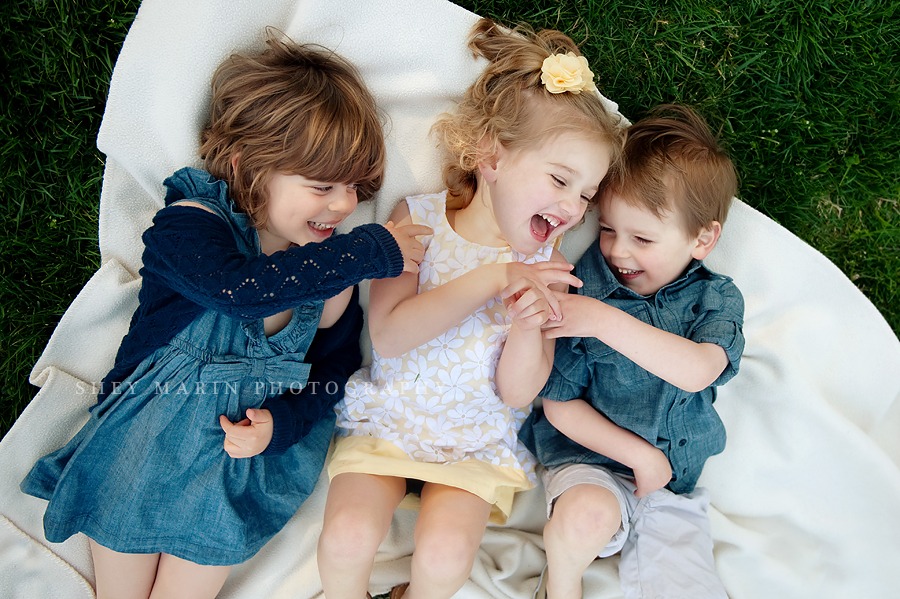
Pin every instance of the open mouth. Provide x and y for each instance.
(543, 225)
(322, 229)
(626, 274)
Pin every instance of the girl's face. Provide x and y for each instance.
(301, 211)
(646, 252)
(539, 193)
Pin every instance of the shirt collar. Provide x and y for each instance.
(601, 283)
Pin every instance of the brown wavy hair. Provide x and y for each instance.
(672, 161)
(509, 105)
(295, 109)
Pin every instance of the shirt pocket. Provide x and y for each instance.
(610, 365)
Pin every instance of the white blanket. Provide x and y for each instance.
(806, 496)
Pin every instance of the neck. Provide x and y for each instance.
(269, 244)
(476, 221)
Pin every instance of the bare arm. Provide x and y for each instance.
(527, 356)
(684, 363)
(579, 421)
(401, 320)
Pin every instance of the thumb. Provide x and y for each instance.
(257, 416)
(225, 423)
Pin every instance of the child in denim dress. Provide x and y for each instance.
(213, 425)
(628, 419)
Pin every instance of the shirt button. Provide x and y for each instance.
(682, 443)
(695, 308)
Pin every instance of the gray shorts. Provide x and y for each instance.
(664, 538)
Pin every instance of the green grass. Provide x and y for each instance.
(806, 94)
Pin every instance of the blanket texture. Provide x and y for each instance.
(805, 497)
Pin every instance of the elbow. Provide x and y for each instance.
(701, 380)
(516, 401)
(385, 346)
(551, 411)
(697, 383)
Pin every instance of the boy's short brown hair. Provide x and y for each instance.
(672, 161)
(295, 109)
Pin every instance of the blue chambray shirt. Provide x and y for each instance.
(702, 306)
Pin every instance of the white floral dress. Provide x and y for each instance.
(434, 414)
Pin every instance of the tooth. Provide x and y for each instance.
(550, 219)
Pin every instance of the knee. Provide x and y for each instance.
(585, 519)
(446, 556)
(349, 537)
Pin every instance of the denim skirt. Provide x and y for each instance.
(148, 472)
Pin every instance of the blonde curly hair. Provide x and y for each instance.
(508, 105)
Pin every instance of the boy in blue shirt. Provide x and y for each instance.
(628, 419)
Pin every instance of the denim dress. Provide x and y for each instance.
(148, 472)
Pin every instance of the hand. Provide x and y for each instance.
(652, 472)
(250, 436)
(580, 316)
(542, 274)
(412, 249)
(526, 303)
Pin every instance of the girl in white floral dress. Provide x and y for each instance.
(458, 354)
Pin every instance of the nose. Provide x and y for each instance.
(617, 249)
(343, 199)
(573, 207)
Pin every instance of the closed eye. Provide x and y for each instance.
(323, 188)
(560, 182)
(643, 241)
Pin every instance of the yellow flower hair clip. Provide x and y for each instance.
(567, 73)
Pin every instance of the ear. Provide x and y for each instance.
(235, 158)
(707, 240)
(488, 162)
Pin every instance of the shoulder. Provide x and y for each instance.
(557, 256)
(718, 291)
(193, 204)
(400, 214)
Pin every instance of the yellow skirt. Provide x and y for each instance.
(370, 455)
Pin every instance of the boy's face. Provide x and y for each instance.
(646, 252)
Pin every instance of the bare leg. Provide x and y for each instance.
(358, 514)
(180, 579)
(585, 518)
(448, 533)
(123, 575)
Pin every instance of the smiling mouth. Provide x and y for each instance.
(322, 226)
(625, 271)
(543, 225)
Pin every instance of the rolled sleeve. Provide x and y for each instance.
(724, 327)
(570, 375)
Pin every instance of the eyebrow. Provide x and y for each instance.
(564, 167)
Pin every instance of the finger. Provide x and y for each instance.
(410, 265)
(517, 287)
(557, 272)
(259, 416)
(225, 423)
(416, 230)
(550, 333)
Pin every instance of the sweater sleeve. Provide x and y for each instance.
(196, 254)
(334, 355)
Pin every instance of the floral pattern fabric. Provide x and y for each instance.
(439, 403)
